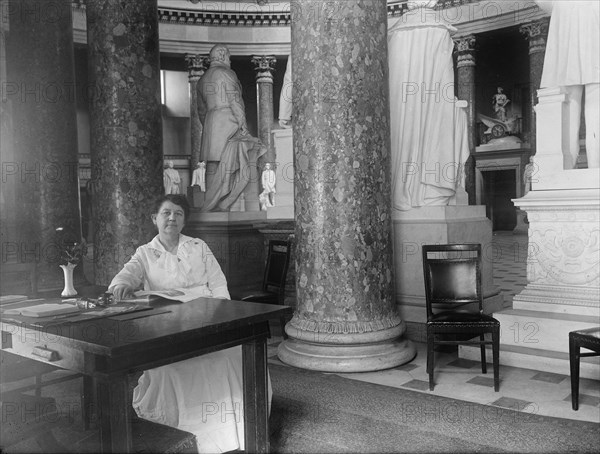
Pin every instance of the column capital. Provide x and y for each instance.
(536, 33)
(265, 67)
(465, 50)
(197, 64)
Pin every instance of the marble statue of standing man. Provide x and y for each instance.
(268, 180)
(572, 61)
(199, 176)
(171, 179)
(225, 137)
(427, 158)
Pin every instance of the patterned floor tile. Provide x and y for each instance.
(406, 367)
(549, 377)
(483, 381)
(416, 384)
(513, 404)
(586, 399)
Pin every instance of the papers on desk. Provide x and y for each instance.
(7, 299)
(178, 294)
(43, 310)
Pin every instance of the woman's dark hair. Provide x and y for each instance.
(177, 199)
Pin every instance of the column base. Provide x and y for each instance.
(357, 352)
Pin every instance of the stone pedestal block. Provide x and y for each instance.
(438, 225)
(236, 243)
(563, 283)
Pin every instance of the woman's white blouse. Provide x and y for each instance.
(153, 268)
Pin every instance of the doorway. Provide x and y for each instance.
(499, 188)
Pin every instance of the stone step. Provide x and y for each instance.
(540, 330)
(536, 359)
(556, 308)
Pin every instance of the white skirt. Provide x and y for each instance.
(202, 395)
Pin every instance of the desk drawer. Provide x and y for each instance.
(45, 351)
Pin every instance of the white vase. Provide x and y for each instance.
(69, 290)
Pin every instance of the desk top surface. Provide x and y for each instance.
(165, 322)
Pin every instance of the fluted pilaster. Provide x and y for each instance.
(197, 65)
(465, 62)
(265, 67)
(536, 33)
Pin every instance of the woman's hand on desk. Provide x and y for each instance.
(121, 292)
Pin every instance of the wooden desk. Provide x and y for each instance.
(109, 349)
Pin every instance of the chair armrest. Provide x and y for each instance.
(262, 297)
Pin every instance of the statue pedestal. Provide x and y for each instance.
(563, 261)
(437, 225)
(284, 172)
(563, 284)
(238, 245)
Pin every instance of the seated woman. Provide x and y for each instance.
(202, 395)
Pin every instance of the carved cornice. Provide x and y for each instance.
(536, 32)
(265, 67)
(249, 18)
(197, 64)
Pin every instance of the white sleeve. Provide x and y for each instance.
(132, 273)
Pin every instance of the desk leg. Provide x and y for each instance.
(256, 415)
(113, 405)
(87, 400)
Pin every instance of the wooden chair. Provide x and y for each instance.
(273, 288)
(453, 286)
(586, 338)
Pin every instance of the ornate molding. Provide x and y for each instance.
(536, 32)
(197, 64)
(249, 18)
(345, 327)
(465, 50)
(265, 67)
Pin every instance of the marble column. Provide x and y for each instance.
(40, 182)
(125, 129)
(536, 33)
(265, 66)
(465, 62)
(197, 65)
(346, 318)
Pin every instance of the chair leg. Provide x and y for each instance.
(483, 361)
(282, 322)
(496, 357)
(574, 364)
(430, 358)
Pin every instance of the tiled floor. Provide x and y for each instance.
(524, 390)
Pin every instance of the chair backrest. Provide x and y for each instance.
(452, 274)
(18, 278)
(278, 260)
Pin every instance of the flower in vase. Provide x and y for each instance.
(72, 251)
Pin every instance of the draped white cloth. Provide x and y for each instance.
(426, 163)
(202, 395)
(573, 48)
